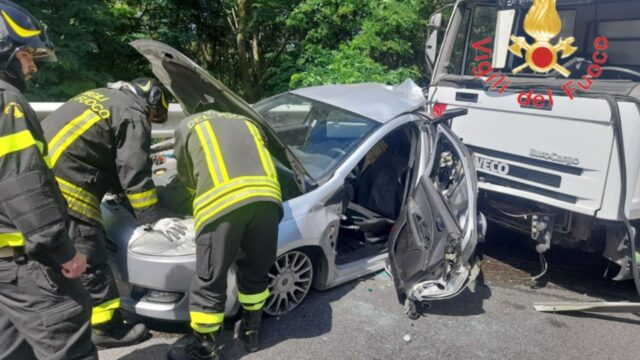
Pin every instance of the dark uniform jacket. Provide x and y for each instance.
(32, 210)
(99, 142)
(223, 160)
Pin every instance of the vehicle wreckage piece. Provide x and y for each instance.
(605, 307)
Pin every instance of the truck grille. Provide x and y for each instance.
(524, 187)
(572, 170)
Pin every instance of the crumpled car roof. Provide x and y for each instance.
(375, 101)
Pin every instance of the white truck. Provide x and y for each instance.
(552, 92)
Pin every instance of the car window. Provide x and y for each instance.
(284, 111)
(319, 135)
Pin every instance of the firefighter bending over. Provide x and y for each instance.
(237, 207)
(99, 142)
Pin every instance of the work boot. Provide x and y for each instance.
(248, 328)
(195, 346)
(117, 333)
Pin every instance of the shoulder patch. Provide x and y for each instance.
(15, 109)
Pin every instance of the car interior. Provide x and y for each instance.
(379, 179)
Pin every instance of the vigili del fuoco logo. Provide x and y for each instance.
(543, 24)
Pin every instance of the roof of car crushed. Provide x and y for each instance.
(374, 101)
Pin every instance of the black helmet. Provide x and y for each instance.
(19, 30)
(150, 90)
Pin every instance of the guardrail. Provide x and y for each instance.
(165, 130)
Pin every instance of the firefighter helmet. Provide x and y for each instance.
(19, 30)
(150, 90)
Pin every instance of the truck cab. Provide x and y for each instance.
(552, 93)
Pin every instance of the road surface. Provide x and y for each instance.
(363, 320)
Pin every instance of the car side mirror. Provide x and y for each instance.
(450, 114)
(433, 28)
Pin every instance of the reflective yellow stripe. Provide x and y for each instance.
(218, 153)
(265, 158)
(164, 101)
(46, 158)
(47, 161)
(143, 199)
(233, 185)
(232, 199)
(241, 188)
(78, 192)
(206, 322)
(104, 312)
(22, 32)
(144, 204)
(142, 195)
(253, 298)
(80, 201)
(40, 146)
(16, 142)
(12, 239)
(208, 156)
(253, 307)
(82, 209)
(70, 132)
(637, 256)
(58, 137)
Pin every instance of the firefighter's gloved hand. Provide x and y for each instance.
(171, 227)
(141, 230)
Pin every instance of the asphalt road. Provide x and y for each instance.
(363, 320)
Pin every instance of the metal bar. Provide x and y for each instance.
(607, 307)
(166, 130)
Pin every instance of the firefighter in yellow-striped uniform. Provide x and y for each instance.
(44, 309)
(99, 142)
(222, 158)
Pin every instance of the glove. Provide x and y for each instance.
(171, 228)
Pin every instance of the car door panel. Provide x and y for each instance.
(432, 246)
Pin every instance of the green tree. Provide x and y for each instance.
(257, 47)
(380, 41)
(86, 46)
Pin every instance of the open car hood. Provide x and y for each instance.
(197, 91)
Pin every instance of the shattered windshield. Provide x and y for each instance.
(319, 135)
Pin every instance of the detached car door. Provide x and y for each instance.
(432, 245)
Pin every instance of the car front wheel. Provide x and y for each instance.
(290, 279)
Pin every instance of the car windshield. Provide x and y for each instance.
(319, 135)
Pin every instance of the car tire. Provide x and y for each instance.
(290, 280)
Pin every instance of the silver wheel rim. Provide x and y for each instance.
(290, 279)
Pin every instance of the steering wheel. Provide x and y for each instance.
(337, 152)
(622, 71)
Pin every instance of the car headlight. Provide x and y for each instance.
(151, 242)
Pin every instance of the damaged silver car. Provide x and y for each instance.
(367, 177)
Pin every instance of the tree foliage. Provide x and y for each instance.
(257, 47)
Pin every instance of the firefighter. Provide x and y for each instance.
(44, 309)
(99, 142)
(222, 158)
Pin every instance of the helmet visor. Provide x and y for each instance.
(40, 53)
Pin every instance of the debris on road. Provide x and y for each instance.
(607, 307)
